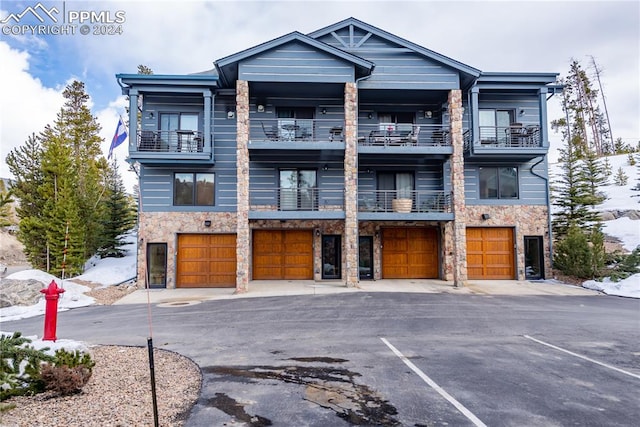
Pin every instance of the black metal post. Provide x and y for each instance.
(153, 382)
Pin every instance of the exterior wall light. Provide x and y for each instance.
(486, 216)
(231, 114)
(207, 223)
(428, 114)
(260, 108)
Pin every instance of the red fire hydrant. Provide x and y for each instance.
(51, 295)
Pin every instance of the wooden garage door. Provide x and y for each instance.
(409, 253)
(206, 261)
(282, 254)
(490, 253)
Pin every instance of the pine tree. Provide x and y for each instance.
(62, 208)
(631, 161)
(593, 175)
(621, 178)
(59, 181)
(119, 215)
(608, 170)
(570, 192)
(6, 199)
(25, 163)
(81, 132)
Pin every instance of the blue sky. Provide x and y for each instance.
(187, 36)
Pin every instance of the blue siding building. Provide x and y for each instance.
(345, 154)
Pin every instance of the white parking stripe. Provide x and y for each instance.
(467, 413)
(582, 357)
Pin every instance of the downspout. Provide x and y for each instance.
(546, 179)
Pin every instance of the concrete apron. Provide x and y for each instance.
(265, 288)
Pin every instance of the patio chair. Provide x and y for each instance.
(271, 134)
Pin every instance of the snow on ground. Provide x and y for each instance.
(107, 272)
(629, 287)
(38, 344)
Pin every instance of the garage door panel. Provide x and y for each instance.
(409, 253)
(206, 260)
(490, 253)
(282, 255)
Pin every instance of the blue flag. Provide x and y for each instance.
(119, 137)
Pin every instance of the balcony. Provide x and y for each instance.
(164, 146)
(404, 205)
(404, 138)
(298, 134)
(514, 142)
(296, 203)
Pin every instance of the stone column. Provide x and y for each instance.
(351, 184)
(242, 193)
(457, 187)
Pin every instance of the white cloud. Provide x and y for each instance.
(26, 107)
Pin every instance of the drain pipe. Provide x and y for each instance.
(548, 195)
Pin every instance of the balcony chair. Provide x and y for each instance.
(271, 134)
(412, 138)
(148, 141)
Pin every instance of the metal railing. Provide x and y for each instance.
(390, 134)
(515, 135)
(404, 201)
(165, 141)
(296, 199)
(296, 130)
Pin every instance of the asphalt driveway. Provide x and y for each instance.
(392, 359)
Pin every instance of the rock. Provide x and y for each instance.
(611, 215)
(633, 214)
(607, 216)
(19, 292)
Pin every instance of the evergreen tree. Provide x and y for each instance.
(119, 214)
(621, 178)
(61, 208)
(59, 182)
(570, 193)
(6, 200)
(81, 130)
(25, 164)
(631, 160)
(608, 170)
(592, 173)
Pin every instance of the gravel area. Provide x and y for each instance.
(118, 393)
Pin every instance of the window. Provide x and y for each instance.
(171, 122)
(494, 125)
(193, 189)
(499, 183)
(298, 190)
(394, 185)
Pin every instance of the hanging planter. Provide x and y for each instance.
(401, 205)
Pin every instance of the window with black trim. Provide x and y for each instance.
(193, 189)
(498, 183)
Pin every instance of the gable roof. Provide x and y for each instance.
(470, 72)
(227, 67)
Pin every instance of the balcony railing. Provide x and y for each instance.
(296, 199)
(404, 201)
(514, 135)
(167, 141)
(296, 130)
(391, 134)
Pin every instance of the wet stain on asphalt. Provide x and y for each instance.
(318, 359)
(232, 407)
(328, 387)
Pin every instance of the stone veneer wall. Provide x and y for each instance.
(242, 175)
(458, 252)
(164, 227)
(350, 245)
(528, 220)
